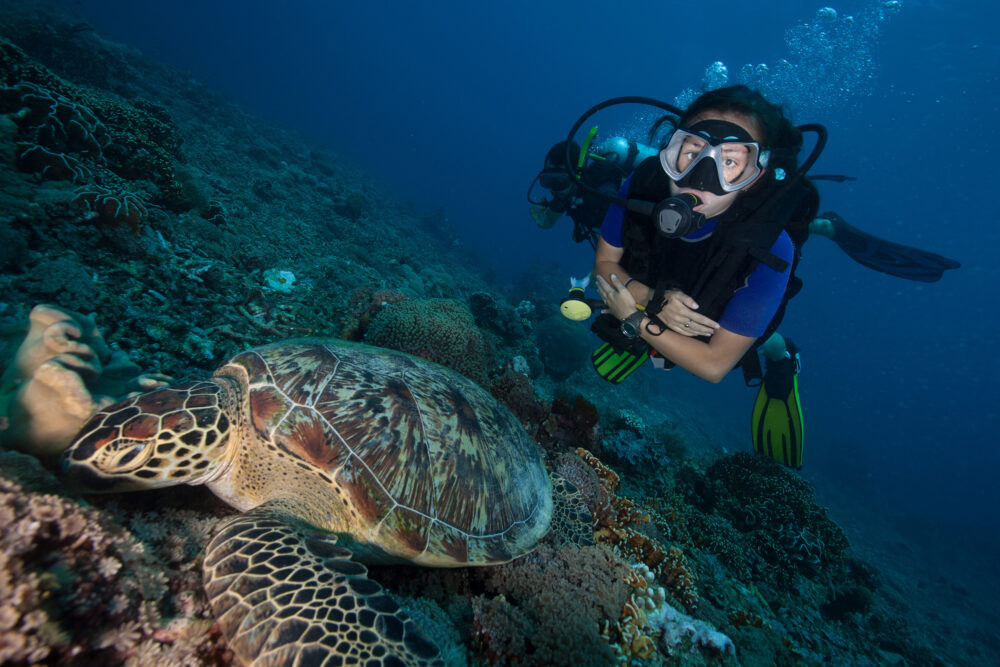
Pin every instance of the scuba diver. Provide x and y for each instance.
(696, 257)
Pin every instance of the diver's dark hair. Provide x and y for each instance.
(780, 135)
(557, 154)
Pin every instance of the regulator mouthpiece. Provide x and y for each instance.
(676, 217)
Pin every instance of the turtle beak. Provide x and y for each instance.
(84, 479)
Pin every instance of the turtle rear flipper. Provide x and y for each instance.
(285, 594)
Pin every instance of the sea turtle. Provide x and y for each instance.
(334, 452)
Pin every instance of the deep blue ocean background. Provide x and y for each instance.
(453, 105)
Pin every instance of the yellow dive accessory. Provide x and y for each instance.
(777, 413)
(576, 306)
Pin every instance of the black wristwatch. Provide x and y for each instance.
(630, 325)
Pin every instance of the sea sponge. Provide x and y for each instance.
(441, 330)
(61, 373)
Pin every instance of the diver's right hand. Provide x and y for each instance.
(678, 313)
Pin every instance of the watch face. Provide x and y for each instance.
(630, 325)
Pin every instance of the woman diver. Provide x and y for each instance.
(701, 276)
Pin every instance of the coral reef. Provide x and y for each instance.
(177, 276)
(55, 122)
(619, 529)
(76, 588)
(776, 509)
(514, 390)
(364, 305)
(49, 164)
(571, 422)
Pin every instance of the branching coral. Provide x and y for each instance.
(60, 374)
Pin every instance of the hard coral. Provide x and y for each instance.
(514, 390)
(777, 508)
(573, 422)
(441, 330)
(61, 373)
(365, 304)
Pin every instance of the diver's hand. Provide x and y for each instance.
(617, 298)
(678, 313)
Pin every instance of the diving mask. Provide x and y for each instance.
(713, 155)
(554, 179)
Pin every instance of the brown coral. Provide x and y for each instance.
(112, 207)
(567, 593)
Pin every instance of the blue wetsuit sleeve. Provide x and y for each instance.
(753, 306)
(614, 219)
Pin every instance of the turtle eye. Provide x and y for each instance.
(129, 456)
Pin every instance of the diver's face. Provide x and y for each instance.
(736, 162)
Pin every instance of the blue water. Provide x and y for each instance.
(454, 105)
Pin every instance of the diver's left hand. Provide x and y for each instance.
(618, 299)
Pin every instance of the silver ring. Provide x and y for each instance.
(687, 324)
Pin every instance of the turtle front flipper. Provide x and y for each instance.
(286, 594)
(572, 522)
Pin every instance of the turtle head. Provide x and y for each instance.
(175, 435)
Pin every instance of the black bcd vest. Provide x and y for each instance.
(712, 269)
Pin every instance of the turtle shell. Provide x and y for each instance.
(419, 461)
